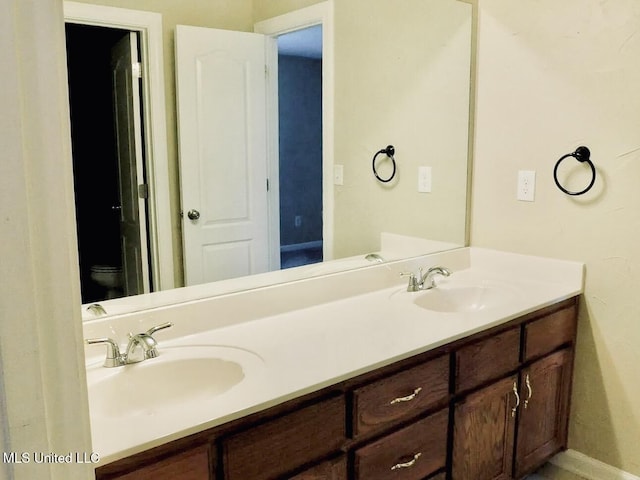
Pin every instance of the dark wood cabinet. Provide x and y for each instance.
(334, 469)
(493, 406)
(484, 430)
(487, 359)
(510, 427)
(402, 395)
(191, 464)
(410, 453)
(549, 332)
(281, 445)
(544, 411)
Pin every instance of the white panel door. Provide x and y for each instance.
(128, 128)
(222, 142)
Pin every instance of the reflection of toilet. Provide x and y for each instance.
(109, 277)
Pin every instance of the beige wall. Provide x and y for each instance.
(551, 76)
(401, 78)
(263, 9)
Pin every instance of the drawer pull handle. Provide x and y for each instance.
(408, 464)
(530, 390)
(408, 398)
(515, 392)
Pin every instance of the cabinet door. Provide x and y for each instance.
(542, 430)
(484, 427)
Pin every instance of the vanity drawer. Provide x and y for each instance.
(412, 453)
(487, 359)
(335, 469)
(277, 446)
(402, 395)
(192, 464)
(548, 333)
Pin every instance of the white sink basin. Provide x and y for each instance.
(453, 298)
(460, 299)
(178, 378)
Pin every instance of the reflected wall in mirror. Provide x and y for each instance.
(401, 76)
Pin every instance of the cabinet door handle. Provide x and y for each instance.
(408, 464)
(529, 389)
(515, 392)
(408, 398)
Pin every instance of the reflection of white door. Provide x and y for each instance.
(221, 98)
(126, 99)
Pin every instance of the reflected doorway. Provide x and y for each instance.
(108, 161)
(300, 146)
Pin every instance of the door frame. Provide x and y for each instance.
(318, 14)
(148, 25)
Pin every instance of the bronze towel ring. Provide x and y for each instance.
(582, 154)
(389, 152)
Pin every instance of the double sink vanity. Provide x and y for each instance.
(347, 376)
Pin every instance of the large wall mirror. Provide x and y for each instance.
(163, 202)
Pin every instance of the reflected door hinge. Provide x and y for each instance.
(143, 191)
(136, 68)
(266, 70)
(267, 184)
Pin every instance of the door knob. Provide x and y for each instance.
(193, 214)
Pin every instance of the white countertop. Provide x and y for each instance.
(308, 335)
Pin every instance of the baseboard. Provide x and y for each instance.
(589, 468)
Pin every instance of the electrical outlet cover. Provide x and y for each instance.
(526, 185)
(424, 179)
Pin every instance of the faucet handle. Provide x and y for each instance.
(413, 281)
(157, 328)
(114, 358)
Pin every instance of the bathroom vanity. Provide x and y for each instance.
(475, 379)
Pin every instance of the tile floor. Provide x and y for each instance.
(551, 472)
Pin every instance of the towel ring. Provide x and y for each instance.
(389, 152)
(582, 154)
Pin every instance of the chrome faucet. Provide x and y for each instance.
(425, 281)
(141, 346)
